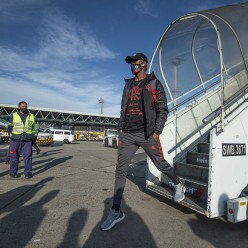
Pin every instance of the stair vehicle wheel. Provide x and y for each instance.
(114, 143)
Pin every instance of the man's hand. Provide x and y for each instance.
(156, 137)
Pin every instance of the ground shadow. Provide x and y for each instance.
(55, 144)
(50, 165)
(18, 227)
(74, 228)
(3, 153)
(22, 167)
(51, 162)
(42, 154)
(132, 232)
(137, 175)
(15, 195)
(35, 163)
(47, 153)
(219, 232)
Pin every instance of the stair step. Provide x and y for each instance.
(194, 172)
(190, 202)
(203, 148)
(201, 159)
(195, 188)
(194, 182)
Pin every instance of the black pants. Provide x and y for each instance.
(35, 146)
(15, 149)
(128, 145)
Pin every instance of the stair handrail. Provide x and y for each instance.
(194, 96)
(217, 112)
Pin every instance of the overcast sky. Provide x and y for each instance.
(66, 55)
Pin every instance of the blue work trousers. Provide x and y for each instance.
(15, 149)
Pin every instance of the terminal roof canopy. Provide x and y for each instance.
(194, 48)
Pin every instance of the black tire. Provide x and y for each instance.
(106, 142)
(66, 141)
(114, 144)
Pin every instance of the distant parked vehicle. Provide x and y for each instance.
(4, 137)
(45, 138)
(111, 138)
(81, 137)
(97, 137)
(63, 135)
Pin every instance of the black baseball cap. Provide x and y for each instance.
(136, 56)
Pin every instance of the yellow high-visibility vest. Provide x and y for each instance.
(19, 127)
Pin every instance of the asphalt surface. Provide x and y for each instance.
(70, 195)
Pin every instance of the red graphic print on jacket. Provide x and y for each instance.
(134, 93)
(134, 121)
(134, 103)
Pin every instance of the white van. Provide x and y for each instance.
(111, 138)
(63, 135)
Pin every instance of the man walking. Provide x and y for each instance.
(21, 127)
(143, 115)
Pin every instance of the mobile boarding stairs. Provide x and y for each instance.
(202, 61)
(212, 161)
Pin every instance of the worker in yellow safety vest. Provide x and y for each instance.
(20, 129)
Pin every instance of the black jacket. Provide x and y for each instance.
(154, 103)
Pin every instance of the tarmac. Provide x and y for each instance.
(70, 194)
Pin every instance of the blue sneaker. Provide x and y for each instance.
(112, 219)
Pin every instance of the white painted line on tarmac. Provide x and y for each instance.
(3, 152)
(4, 147)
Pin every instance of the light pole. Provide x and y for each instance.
(175, 62)
(101, 101)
